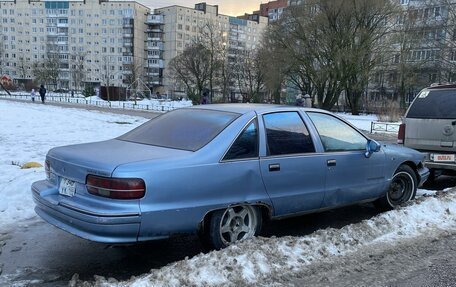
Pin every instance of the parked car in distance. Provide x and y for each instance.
(429, 126)
(220, 171)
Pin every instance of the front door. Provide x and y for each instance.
(351, 176)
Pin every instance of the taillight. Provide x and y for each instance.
(401, 134)
(116, 188)
(47, 169)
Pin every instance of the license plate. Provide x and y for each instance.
(67, 187)
(442, 157)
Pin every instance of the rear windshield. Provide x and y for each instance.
(187, 129)
(434, 104)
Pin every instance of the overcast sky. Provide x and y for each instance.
(227, 7)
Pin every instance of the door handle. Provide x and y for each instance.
(274, 167)
(331, 162)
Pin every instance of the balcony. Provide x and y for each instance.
(154, 30)
(62, 25)
(127, 35)
(158, 46)
(154, 19)
(153, 56)
(159, 64)
(153, 39)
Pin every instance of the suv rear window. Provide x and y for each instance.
(187, 129)
(434, 104)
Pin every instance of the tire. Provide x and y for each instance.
(233, 224)
(402, 189)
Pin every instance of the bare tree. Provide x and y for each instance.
(135, 73)
(275, 60)
(250, 76)
(211, 37)
(108, 73)
(192, 68)
(47, 71)
(362, 42)
(77, 70)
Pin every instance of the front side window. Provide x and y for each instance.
(186, 129)
(287, 134)
(336, 135)
(246, 145)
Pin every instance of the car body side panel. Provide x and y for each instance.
(354, 177)
(179, 196)
(299, 184)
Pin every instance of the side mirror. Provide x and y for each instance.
(371, 147)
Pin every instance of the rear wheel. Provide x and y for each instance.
(402, 188)
(233, 224)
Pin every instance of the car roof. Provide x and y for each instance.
(246, 108)
(441, 87)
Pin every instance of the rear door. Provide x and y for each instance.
(431, 120)
(293, 174)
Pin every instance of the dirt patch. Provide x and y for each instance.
(424, 261)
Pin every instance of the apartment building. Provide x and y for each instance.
(108, 43)
(97, 39)
(273, 9)
(182, 26)
(422, 50)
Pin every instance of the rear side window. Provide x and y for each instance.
(434, 104)
(287, 134)
(246, 145)
(187, 129)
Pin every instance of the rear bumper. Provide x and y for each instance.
(106, 228)
(440, 165)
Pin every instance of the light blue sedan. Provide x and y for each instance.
(220, 171)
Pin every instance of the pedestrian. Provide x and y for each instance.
(204, 99)
(32, 94)
(42, 93)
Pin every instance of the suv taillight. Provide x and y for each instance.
(401, 134)
(116, 188)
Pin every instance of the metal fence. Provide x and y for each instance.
(162, 106)
(384, 127)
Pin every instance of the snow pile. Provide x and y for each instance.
(261, 260)
(28, 132)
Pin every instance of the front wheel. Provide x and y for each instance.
(233, 224)
(402, 188)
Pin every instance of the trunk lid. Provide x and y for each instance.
(101, 158)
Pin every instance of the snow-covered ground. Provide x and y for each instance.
(143, 104)
(28, 131)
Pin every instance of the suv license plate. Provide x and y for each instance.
(67, 187)
(442, 157)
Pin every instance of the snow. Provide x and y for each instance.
(143, 104)
(29, 130)
(362, 122)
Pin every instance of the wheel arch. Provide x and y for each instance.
(413, 166)
(265, 210)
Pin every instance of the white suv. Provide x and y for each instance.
(429, 126)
